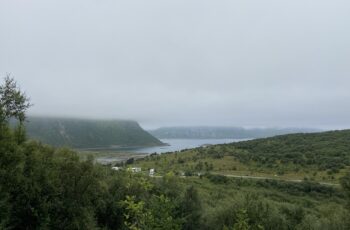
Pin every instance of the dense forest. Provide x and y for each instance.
(85, 133)
(43, 187)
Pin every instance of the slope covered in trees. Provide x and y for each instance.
(321, 156)
(84, 133)
(326, 151)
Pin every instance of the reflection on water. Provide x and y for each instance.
(109, 155)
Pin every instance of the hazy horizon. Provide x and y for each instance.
(182, 63)
(180, 126)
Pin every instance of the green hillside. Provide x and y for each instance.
(323, 157)
(325, 151)
(84, 133)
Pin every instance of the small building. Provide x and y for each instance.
(134, 170)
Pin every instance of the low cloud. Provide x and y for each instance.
(256, 63)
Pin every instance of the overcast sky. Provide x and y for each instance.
(182, 62)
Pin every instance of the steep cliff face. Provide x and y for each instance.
(84, 133)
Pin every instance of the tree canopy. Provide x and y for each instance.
(13, 102)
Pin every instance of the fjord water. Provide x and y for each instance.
(119, 154)
(181, 144)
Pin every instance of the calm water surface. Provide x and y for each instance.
(180, 144)
(173, 145)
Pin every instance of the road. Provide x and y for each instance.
(273, 178)
(265, 178)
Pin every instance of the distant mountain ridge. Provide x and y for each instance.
(86, 133)
(204, 132)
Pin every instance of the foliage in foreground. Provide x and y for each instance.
(47, 188)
